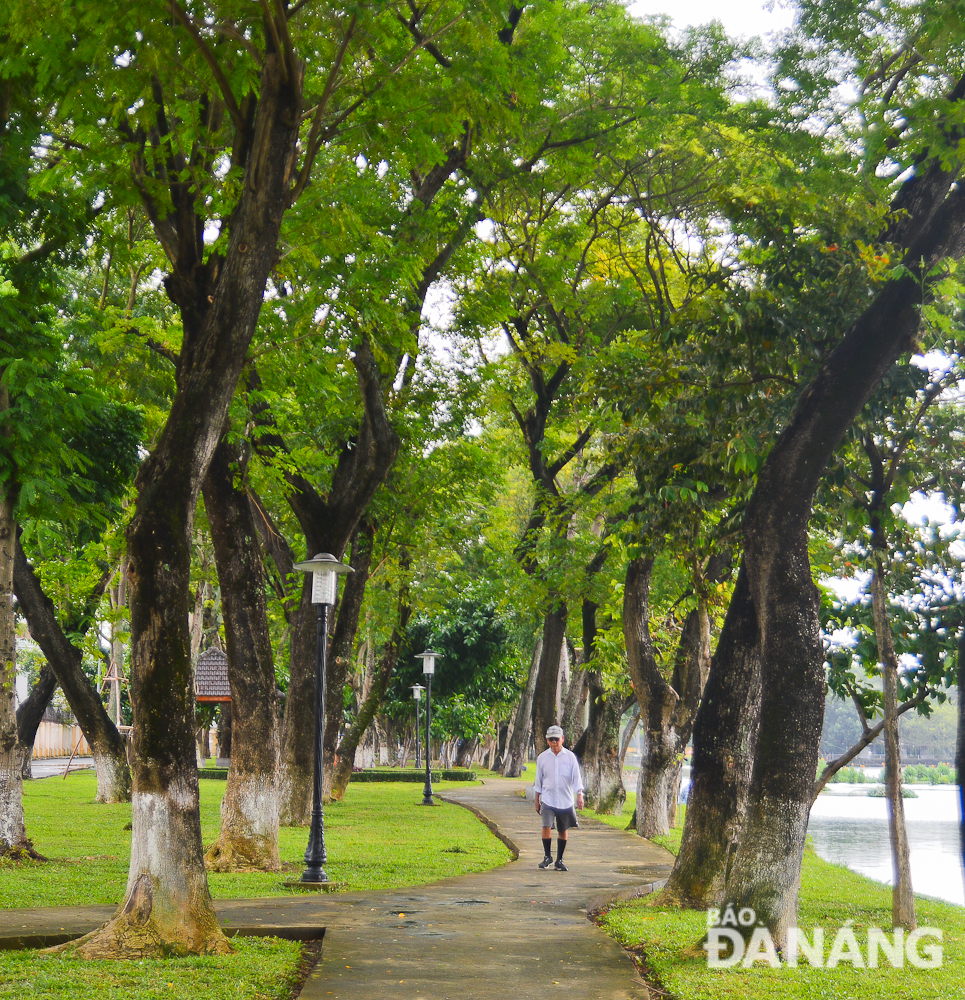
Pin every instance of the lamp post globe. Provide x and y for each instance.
(325, 570)
(428, 669)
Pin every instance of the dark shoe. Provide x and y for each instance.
(559, 866)
(546, 862)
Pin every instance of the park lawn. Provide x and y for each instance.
(831, 896)
(259, 969)
(380, 836)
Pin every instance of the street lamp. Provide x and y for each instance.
(428, 668)
(417, 690)
(325, 569)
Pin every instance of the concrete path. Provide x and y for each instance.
(513, 933)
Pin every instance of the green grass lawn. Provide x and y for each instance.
(831, 897)
(380, 836)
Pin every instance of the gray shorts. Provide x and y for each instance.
(563, 819)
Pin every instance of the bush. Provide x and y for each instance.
(925, 774)
(881, 793)
(850, 776)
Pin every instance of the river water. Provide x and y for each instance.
(850, 829)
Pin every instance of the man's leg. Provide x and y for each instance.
(560, 848)
(547, 847)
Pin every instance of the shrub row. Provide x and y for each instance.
(913, 774)
(412, 775)
(448, 775)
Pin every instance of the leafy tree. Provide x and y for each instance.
(772, 631)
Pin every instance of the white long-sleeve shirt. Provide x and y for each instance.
(558, 778)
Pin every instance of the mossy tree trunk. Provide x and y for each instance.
(328, 525)
(546, 698)
(248, 839)
(343, 643)
(600, 757)
(167, 908)
(725, 737)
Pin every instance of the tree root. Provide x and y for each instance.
(133, 932)
(24, 851)
(241, 855)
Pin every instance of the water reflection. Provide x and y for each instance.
(850, 829)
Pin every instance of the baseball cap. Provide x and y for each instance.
(554, 731)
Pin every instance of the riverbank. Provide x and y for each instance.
(849, 828)
(833, 900)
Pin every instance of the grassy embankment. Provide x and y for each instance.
(379, 837)
(831, 897)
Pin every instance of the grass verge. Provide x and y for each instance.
(661, 938)
(379, 837)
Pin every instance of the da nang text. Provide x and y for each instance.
(731, 942)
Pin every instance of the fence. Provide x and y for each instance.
(59, 739)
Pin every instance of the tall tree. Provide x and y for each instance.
(778, 601)
(220, 151)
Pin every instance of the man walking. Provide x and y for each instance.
(558, 783)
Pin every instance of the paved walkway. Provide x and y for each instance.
(513, 933)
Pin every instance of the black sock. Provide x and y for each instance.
(560, 848)
(547, 847)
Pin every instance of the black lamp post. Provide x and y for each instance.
(325, 569)
(417, 690)
(428, 668)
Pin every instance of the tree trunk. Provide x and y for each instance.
(725, 734)
(602, 771)
(108, 747)
(902, 897)
(518, 742)
(574, 704)
(343, 644)
(630, 729)
(345, 756)
(224, 731)
(668, 708)
(248, 839)
(13, 834)
(765, 873)
(30, 714)
(547, 695)
(297, 766)
(466, 750)
(328, 525)
(167, 908)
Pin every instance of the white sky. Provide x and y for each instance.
(739, 17)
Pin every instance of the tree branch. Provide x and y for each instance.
(212, 60)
